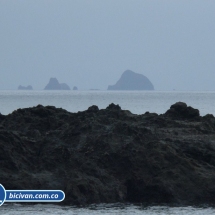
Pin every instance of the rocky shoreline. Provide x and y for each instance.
(111, 155)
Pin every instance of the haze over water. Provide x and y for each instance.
(89, 44)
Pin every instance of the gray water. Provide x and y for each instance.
(104, 209)
(137, 102)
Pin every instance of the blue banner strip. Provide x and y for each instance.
(34, 196)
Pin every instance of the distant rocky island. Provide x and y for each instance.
(55, 85)
(29, 87)
(75, 88)
(132, 81)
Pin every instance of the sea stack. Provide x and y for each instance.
(55, 85)
(132, 81)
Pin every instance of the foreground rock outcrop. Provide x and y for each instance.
(110, 155)
(130, 80)
(55, 85)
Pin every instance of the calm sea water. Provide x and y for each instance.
(104, 209)
(137, 102)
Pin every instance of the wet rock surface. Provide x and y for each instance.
(110, 155)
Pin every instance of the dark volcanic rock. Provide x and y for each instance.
(180, 110)
(55, 85)
(93, 108)
(110, 155)
(29, 87)
(132, 81)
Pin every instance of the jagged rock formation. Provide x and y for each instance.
(29, 87)
(132, 81)
(55, 85)
(110, 155)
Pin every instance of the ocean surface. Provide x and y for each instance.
(138, 103)
(102, 209)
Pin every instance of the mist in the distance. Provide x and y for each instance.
(90, 43)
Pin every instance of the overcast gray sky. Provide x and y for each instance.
(89, 43)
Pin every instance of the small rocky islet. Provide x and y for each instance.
(29, 87)
(130, 80)
(110, 155)
(55, 85)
